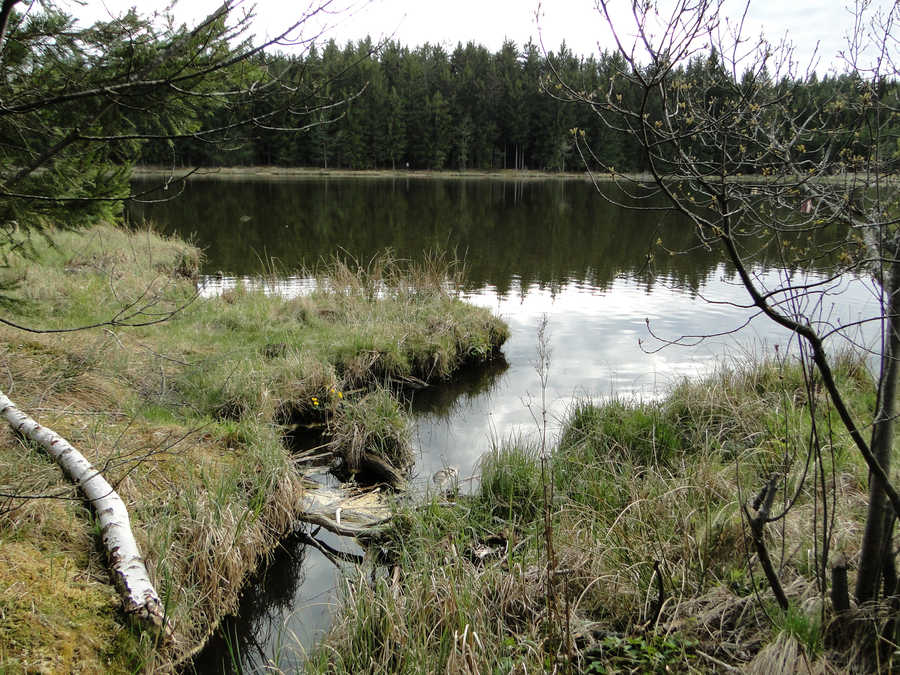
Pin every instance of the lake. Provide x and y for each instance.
(613, 284)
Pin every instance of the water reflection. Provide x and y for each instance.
(445, 400)
(211, 285)
(601, 347)
(283, 611)
(510, 235)
(531, 249)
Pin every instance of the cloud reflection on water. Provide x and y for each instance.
(600, 347)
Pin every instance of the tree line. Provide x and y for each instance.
(393, 107)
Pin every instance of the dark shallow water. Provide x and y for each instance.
(533, 250)
(283, 611)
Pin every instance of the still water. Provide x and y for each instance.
(612, 283)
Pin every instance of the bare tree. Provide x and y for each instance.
(734, 143)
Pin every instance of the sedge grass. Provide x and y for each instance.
(647, 506)
(186, 418)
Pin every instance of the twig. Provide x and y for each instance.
(763, 505)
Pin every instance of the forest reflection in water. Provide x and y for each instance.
(507, 234)
(604, 276)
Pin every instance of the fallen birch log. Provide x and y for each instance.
(129, 572)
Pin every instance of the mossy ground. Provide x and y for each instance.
(187, 419)
(624, 549)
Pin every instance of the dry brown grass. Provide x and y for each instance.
(198, 549)
(184, 418)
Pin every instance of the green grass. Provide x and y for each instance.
(511, 487)
(646, 496)
(803, 627)
(188, 418)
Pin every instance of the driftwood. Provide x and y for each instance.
(139, 597)
(345, 511)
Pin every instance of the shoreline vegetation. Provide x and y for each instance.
(624, 548)
(272, 172)
(190, 420)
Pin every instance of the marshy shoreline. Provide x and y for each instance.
(188, 418)
(621, 545)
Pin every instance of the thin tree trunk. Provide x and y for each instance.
(129, 573)
(874, 547)
(5, 13)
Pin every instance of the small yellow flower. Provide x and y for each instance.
(340, 395)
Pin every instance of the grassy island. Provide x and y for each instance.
(188, 419)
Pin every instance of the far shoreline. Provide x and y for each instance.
(264, 171)
(271, 172)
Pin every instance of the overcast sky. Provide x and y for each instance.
(489, 22)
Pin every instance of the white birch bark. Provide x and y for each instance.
(129, 572)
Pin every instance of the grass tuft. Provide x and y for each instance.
(188, 420)
(651, 568)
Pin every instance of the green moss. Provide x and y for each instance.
(54, 616)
